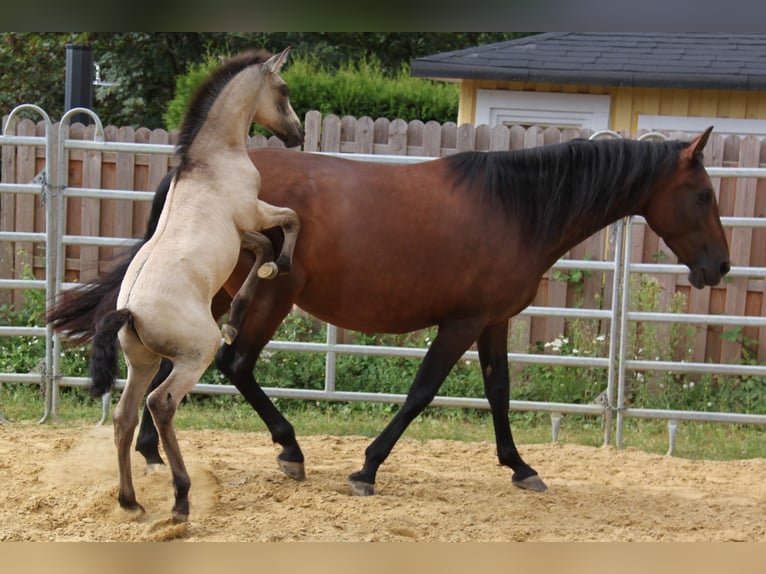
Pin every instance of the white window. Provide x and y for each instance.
(508, 107)
(722, 126)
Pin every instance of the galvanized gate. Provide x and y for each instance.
(52, 187)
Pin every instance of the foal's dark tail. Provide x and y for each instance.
(76, 312)
(104, 353)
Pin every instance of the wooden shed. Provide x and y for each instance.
(621, 81)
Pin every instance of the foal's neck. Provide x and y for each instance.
(230, 117)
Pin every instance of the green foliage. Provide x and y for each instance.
(357, 88)
(186, 85)
(363, 88)
(565, 384)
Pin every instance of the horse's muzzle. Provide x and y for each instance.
(702, 276)
(292, 139)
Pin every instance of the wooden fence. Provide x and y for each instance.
(142, 172)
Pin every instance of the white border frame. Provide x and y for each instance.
(511, 107)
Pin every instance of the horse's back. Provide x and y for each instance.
(388, 248)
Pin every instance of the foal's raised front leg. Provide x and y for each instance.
(287, 219)
(263, 268)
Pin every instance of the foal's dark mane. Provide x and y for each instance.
(205, 96)
(548, 187)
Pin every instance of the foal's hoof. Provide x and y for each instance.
(294, 470)
(229, 333)
(268, 270)
(359, 488)
(534, 483)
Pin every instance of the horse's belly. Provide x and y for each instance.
(159, 277)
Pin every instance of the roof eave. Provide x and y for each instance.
(452, 72)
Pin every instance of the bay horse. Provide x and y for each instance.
(163, 308)
(460, 242)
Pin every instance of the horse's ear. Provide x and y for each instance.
(274, 63)
(699, 143)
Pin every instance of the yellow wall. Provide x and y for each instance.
(628, 103)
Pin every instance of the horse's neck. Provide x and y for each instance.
(575, 231)
(230, 117)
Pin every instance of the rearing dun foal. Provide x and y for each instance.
(163, 307)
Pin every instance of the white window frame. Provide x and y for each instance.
(512, 107)
(722, 126)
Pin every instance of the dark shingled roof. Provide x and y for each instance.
(708, 60)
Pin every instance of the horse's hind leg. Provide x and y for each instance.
(163, 403)
(142, 365)
(261, 246)
(493, 356)
(148, 441)
(287, 219)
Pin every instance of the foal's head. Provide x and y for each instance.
(682, 209)
(273, 109)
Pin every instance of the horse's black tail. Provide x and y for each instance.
(76, 312)
(104, 353)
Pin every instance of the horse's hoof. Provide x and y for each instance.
(534, 483)
(359, 488)
(131, 506)
(229, 333)
(294, 470)
(180, 517)
(268, 270)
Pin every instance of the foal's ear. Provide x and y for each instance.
(274, 63)
(698, 144)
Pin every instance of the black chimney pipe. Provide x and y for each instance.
(78, 92)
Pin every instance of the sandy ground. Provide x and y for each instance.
(60, 483)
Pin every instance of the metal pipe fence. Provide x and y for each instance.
(52, 186)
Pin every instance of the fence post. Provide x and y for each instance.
(60, 228)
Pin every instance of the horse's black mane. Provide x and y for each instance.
(208, 91)
(547, 187)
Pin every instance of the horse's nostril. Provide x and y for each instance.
(725, 267)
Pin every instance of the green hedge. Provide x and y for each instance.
(356, 89)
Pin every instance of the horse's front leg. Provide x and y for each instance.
(449, 345)
(287, 219)
(493, 356)
(263, 268)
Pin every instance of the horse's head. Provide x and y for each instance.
(273, 109)
(683, 210)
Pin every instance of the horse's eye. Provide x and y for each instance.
(284, 90)
(705, 196)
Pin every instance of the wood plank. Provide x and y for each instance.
(500, 138)
(23, 251)
(313, 129)
(741, 242)
(90, 218)
(7, 210)
(432, 139)
(466, 138)
(397, 137)
(330, 133)
(365, 135)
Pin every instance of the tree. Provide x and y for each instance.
(144, 65)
